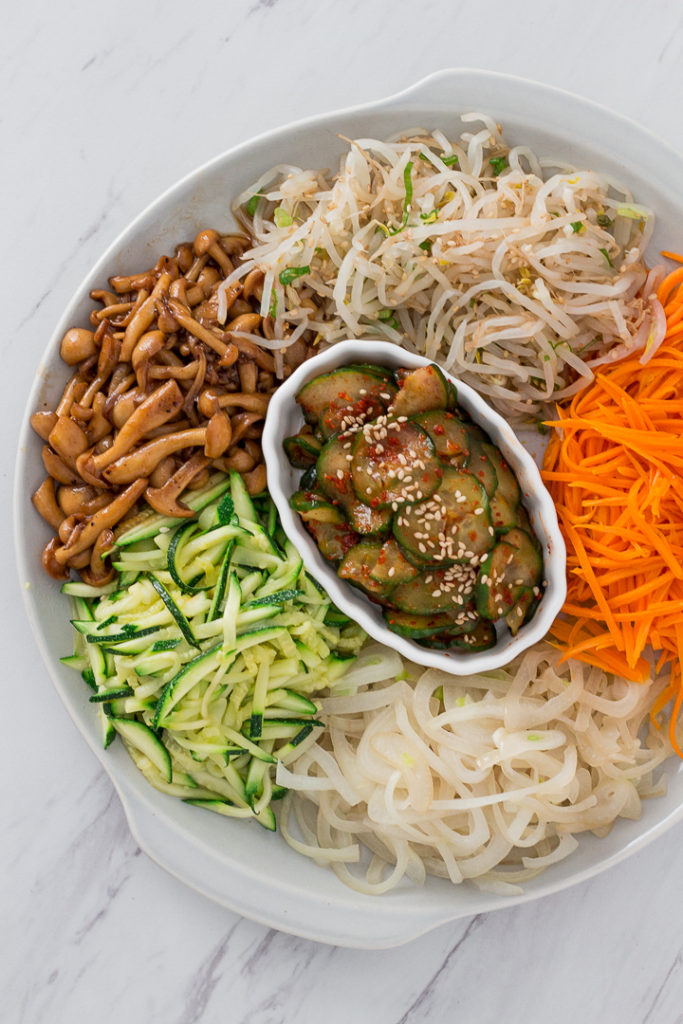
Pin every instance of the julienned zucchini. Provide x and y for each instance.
(205, 666)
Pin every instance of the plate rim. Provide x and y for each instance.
(139, 804)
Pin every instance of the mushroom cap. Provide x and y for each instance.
(204, 240)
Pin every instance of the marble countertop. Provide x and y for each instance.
(104, 108)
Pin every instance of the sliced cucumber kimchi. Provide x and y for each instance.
(204, 657)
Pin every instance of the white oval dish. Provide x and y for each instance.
(241, 867)
(285, 418)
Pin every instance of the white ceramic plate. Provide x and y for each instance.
(242, 867)
(285, 418)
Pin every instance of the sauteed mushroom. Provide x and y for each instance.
(160, 395)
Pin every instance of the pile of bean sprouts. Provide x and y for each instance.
(519, 275)
(487, 777)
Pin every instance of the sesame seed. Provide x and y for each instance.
(500, 611)
(391, 571)
(478, 511)
(340, 474)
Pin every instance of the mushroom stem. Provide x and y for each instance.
(85, 533)
(164, 499)
(182, 314)
(143, 318)
(144, 460)
(158, 408)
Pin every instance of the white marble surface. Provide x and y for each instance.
(105, 106)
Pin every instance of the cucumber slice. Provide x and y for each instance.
(180, 619)
(507, 496)
(372, 368)
(137, 734)
(356, 564)
(188, 676)
(461, 533)
(244, 506)
(421, 390)
(333, 539)
(312, 506)
(480, 465)
(334, 478)
(302, 450)
(334, 617)
(522, 520)
(417, 627)
(309, 480)
(481, 638)
(344, 394)
(517, 615)
(514, 565)
(437, 590)
(392, 566)
(394, 463)
(450, 436)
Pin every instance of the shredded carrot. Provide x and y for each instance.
(614, 467)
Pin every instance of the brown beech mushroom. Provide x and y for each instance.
(255, 480)
(165, 499)
(143, 318)
(72, 499)
(43, 422)
(50, 564)
(122, 284)
(208, 242)
(58, 469)
(187, 322)
(85, 533)
(163, 472)
(236, 459)
(97, 573)
(241, 423)
(144, 460)
(68, 439)
(148, 346)
(45, 502)
(211, 400)
(253, 284)
(248, 373)
(159, 407)
(77, 344)
(218, 435)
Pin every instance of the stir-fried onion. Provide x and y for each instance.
(516, 275)
(487, 777)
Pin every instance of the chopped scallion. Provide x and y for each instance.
(408, 182)
(606, 255)
(282, 218)
(290, 274)
(250, 207)
(498, 163)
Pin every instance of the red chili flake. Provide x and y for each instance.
(438, 429)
